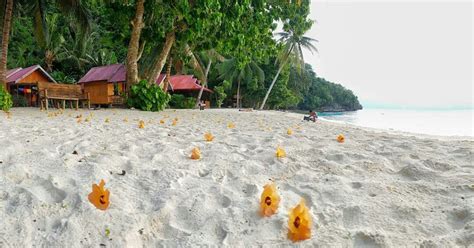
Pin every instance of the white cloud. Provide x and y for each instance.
(403, 53)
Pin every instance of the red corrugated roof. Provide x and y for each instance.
(185, 83)
(17, 74)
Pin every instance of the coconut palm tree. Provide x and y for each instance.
(231, 70)
(7, 22)
(201, 63)
(73, 8)
(293, 45)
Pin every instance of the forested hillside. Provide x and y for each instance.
(69, 50)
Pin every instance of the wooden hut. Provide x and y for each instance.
(106, 84)
(23, 83)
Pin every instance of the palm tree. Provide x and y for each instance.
(7, 22)
(201, 63)
(293, 45)
(231, 70)
(53, 42)
(70, 7)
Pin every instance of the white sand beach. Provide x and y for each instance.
(377, 189)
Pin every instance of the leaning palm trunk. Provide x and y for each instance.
(271, 86)
(133, 46)
(7, 21)
(168, 75)
(160, 61)
(203, 83)
(238, 93)
(49, 57)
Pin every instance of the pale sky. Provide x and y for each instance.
(408, 53)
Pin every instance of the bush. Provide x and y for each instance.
(5, 99)
(19, 101)
(148, 97)
(181, 102)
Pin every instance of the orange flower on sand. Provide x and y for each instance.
(289, 131)
(79, 120)
(141, 124)
(269, 200)
(231, 125)
(280, 153)
(340, 138)
(162, 121)
(99, 196)
(299, 222)
(208, 137)
(175, 121)
(195, 153)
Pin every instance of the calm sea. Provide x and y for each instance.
(433, 122)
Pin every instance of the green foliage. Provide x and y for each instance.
(220, 92)
(61, 77)
(181, 102)
(19, 101)
(148, 97)
(5, 99)
(323, 95)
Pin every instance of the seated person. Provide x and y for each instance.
(312, 116)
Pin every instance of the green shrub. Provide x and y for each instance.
(181, 102)
(148, 97)
(5, 99)
(19, 101)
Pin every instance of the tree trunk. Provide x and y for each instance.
(271, 86)
(203, 82)
(160, 61)
(168, 74)
(7, 21)
(238, 93)
(48, 60)
(133, 45)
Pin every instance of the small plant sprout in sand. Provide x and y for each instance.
(196, 153)
(299, 222)
(231, 125)
(99, 196)
(141, 124)
(107, 120)
(280, 153)
(208, 137)
(269, 200)
(289, 131)
(340, 138)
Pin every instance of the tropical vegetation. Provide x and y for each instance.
(230, 46)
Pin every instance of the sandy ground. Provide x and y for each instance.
(377, 189)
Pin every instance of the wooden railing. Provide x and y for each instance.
(116, 100)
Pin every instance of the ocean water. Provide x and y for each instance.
(433, 122)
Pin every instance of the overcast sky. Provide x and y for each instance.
(404, 53)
